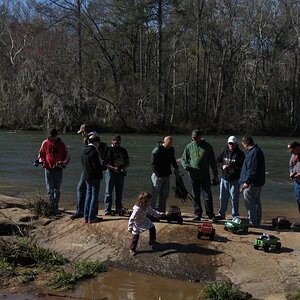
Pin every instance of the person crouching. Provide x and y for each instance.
(139, 222)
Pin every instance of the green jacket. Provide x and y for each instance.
(197, 158)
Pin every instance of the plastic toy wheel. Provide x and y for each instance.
(256, 247)
(225, 228)
(266, 248)
(199, 235)
(168, 220)
(278, 245)
(180, 221)
(212, 235)
(234, 231)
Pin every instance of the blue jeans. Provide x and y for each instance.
(204, 186)
(160, 189)
(92, 199)
(253, 204)
(113, 180)
(297, 193)
(81, 194)
(229, 189)
(53, 180)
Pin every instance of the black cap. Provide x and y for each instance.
(53, 132)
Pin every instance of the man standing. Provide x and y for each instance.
(54, 156)
(116, 161)
(92, 166)
(163, 156)
(294, 168)
(252, 179)
(81, 187)
(197, 157)
(230, 163)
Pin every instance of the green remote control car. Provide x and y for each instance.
(237, 225)
(266, 241)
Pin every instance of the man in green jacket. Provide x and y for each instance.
(197, 157)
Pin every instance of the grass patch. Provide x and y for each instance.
(223, 290)
(6, 269)
(293, 295)
(25, 252)
(22, 261)
(40, 207)
(83, 270)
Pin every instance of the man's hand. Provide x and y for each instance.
(158, 181)
(60, 164)
(244, 186)
(224, 167)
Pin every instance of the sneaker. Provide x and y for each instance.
(132, 252)
(107, 213)
(197, 218)
(85, 221)
(219, 217)
(96, 220)
(76, 216)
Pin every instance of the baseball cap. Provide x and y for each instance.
(232, 139)
(83, 128)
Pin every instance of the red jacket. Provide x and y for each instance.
(53, 152)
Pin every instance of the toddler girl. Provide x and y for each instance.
(139, 222)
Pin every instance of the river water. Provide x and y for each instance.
(20, 178)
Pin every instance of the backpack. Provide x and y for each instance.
(180, 189)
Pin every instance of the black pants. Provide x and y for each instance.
(135, 238)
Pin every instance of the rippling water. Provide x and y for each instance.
(19, 177)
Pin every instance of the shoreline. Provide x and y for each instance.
(181, 255)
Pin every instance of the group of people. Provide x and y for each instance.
(95, 158)
(239, 173)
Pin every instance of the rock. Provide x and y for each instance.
(7, 202)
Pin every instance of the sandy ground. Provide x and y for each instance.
(180, 255)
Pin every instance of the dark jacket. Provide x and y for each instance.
(253, 170)
(234, 160)
(116, 157)
(162, 159)
(90, 160)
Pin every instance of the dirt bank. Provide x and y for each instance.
(181, 255)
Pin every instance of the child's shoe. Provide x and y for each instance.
(154, 243)
(132, 252)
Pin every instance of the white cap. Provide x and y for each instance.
(93, 133)
(232, 139)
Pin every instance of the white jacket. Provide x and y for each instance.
(139, 222)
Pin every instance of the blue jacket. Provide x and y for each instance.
(253, 170)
